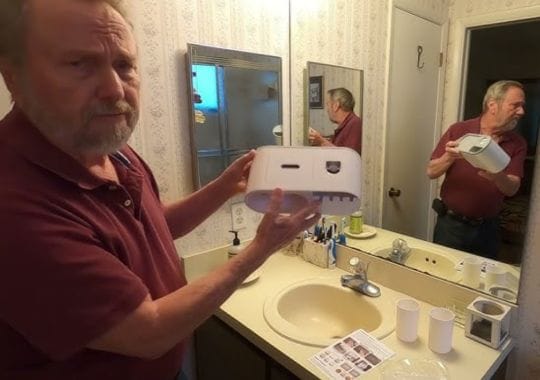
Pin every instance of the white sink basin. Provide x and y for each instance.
(434, 263)
(319, 311)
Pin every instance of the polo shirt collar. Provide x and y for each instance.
(344, 123)
(19, 132)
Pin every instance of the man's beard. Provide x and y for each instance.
(119, 134)
(84, 140)
(510, 125)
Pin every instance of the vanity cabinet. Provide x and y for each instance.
(222, 353)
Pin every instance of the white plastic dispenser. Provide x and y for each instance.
(329, 174)
(483, 153)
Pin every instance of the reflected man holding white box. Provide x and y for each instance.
(471, 199)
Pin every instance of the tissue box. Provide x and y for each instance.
(331, 175)
(483, 153)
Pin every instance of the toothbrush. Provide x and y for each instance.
(341, 235)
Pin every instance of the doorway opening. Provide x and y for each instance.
(508, 51)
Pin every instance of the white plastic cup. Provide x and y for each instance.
(495, 275)
(472, 267)
(441, 327)
(407, 313)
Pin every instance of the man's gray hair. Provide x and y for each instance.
(343, 97)
(12, 18)
(497, 91)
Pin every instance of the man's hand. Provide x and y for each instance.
(315, 138)
(439, 166)
(508, 184)
(277, 230)
(235, 177)
(452, 151)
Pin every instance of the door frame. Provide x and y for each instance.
(439, 109)
(458, 57)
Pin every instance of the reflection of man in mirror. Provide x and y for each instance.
(471, 199)
(340, 109)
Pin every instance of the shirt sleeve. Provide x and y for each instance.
(441, 146)
(517, 158)
(59, 287)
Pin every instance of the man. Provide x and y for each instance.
(472, 198)
(339, 107)
(90, 284)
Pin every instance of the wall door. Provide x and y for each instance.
(413, 103)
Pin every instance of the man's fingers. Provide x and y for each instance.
(246, 158)
(275, 201)
(310, 220)
(247, 168)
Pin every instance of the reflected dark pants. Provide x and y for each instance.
(181, 376)
(482, 239)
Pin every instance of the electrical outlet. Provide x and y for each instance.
(239, 216)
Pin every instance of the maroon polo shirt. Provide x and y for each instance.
(463, 190)
(349, 133)
(78, 254)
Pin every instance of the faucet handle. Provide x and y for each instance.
(354, 261)
(358, 267)
(401, 245)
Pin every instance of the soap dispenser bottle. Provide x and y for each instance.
(235, 247)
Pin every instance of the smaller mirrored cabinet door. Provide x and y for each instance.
(320, 79)
(236, 106)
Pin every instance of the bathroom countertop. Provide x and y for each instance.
(243, 311)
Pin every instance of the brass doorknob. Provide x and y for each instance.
(394, 192)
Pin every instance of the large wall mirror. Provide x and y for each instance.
(320, 79)
(236, 106)
(472, 40)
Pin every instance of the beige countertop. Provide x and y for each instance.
(243, 311)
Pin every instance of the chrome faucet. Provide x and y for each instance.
(358, 280)
(400, 251)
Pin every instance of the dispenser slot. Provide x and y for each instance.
(290, 166)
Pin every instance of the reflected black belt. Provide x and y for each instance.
(465, 219)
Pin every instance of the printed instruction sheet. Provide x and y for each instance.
(350, 357)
